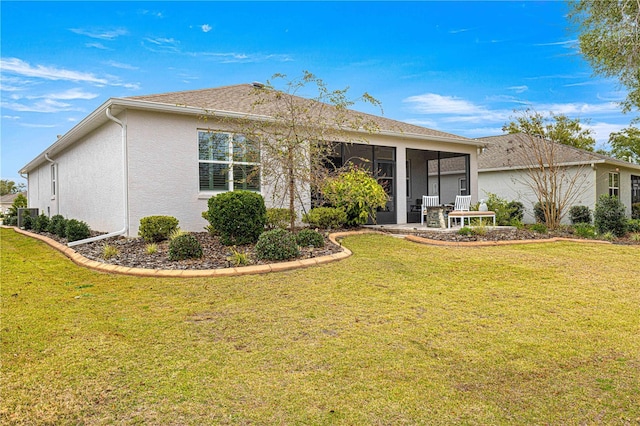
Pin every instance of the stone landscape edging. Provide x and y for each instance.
(80, 260)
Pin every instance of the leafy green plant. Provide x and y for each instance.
(540, 213)
(609, 216)
(635, 211)
(278, 218)
(505, 211)
(465, 230)
(516, 212)
(325, 217)
(77, 230)
(239, 258)
(309, 238)
(58, 225)
(608, 236)
(540, 228)
(358, 193)
(109, 251)
(157, 228)
(635, 236)
(27, 222)
(185, 247)
(176, 233)
(239, 216)
(580, 214)
(11, 218)
(277, 244)
(584, 230)
(479, 230)
(633, 225)
(151, 248)
(41, 223)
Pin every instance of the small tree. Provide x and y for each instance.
(296, 135)
(358, 193)
(555, 182)
(12, 214)
(625, 144)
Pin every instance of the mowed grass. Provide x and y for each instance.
(399, 333)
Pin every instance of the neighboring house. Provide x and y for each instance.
(140, 156)
(502, 171)
(7, 200)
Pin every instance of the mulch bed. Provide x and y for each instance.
(132, 253)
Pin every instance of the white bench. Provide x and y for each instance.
(462, 215)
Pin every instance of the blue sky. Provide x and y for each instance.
(459, 67)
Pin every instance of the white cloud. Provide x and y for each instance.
(566, 43)
(518, 89)
(432, 103)
(42, 106)
(20, 67)
(161, 44)
(601, 132)
(206, 28)
(576, 108)
(101, 34)
(97, 46)
(121, 65)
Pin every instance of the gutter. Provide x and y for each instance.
(125, 187)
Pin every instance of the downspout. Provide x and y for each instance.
(57, 187)
(125, 187)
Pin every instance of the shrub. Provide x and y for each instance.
(41, 223)
(157, 228)
(635, 237)
(278, 218)
(184, 247)
(109, 251)
(504, 210)
(579, 214)
(27, 222)
(635, 211)
(633, 225)
(609, 216)
(516, 212)
(584, 230)
(540, 228)
(465, 230)
(239, 216)
(309, 238)
(608, 236)
(277, 244)
(58, 226)
(357, 193)
(325, 217)
(77, 230)
(539, 213)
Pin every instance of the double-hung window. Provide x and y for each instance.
(614, 184)
(227, 162)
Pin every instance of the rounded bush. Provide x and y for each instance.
(76, 230)
(58, 226)
(633, 225)
(579, 214)
(278, 218)
(309, 238)
(157, 228)
(41, 223)
(516, 211)
(325, 217)
(185, 246)
(278, 244)
(538, 212)
(635, 211)
(27, 222)
(239, 217)
(584, 230)
(609, 216)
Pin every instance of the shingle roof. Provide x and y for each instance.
(500, 153)
(241, 99)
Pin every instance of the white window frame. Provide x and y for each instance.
(462, 186)
(54, 180)
(230, 162)
(614, 184)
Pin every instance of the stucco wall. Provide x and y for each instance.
(510, 186)
(89, 186)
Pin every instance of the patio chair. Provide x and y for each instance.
(462, 204)
(428, 202)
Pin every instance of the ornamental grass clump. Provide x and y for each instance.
(278, 244)
(185, 247)
(109, 251)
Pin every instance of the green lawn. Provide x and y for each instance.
(399, 333)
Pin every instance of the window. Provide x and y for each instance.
(635, 189)
(228, 162)
(53, 180)
(462, 186)
(408, 167)
(614, 184)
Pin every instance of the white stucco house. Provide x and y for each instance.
(502, 171)
(143, 155)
